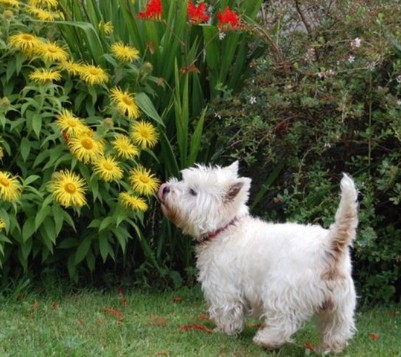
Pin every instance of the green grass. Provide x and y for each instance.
(151, 324)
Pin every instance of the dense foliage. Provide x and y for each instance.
(101, 100)
(98, 98)
(325, 99)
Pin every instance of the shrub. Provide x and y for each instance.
(75, 141)
(109, 69)
(325, 98)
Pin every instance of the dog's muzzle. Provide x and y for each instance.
(164, 189)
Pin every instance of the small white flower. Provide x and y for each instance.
(326, 74)
(310, 55)
(327, 145)
(399, 102)
(371, 66)
(217, 115)
(356, 43)
(222, 35)
(351, 59)
(252, 100)
(398, 78)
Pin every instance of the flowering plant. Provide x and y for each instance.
(76, 143)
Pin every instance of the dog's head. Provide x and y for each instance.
(206, 199)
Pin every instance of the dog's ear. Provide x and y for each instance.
(233, 168)
(241, 185)
(233, 190)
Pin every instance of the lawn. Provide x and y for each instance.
(175, 323)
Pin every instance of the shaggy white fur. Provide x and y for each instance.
(281, 273)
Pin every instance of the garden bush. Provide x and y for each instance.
(324, 99)
(99, 101)
(76, 148)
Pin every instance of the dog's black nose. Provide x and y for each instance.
(166, 189)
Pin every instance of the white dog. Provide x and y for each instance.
(282, 273)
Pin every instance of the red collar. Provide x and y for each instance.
(210, 236)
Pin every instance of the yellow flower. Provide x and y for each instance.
(107, 27)
(93, 74)
(143, 181)
(48, 3)
(25, 42)
(124, 53)
(133, 202)
(10, 188)
(70, 124)
(125, 149)
(41, 14)
(51, 52)
(71, 67)
(5, 102)
(10, 2)
(43, 76)
(68, 189)
(86, 148)
(144, 134)
(2, 224)
(8, 14)
(125, 102)
(107, 168)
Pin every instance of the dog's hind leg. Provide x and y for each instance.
(336, 322)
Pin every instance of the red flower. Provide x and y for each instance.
(197, 14)
(228, 19)
(153, 11)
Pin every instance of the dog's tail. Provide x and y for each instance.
(343, 231)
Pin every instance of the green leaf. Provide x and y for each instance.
(196, 139)
(82, 250)
(42, 214)
(106, 222)
(28, 228)
(104, 247)
(36, 124)
(146, 105)
(30, 179)
(25, 148)
(68, 243)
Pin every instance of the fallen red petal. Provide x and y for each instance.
(373, 336)
(204, 317)
(309, 346)
(159, 321)
(114, 312)
(178, 299)
(195, 326)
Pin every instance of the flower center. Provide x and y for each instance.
(94, 71)
(70, 188)
(144, 179)
(71, 123)
(144, 134)
(87, 143)
(27, 37)
(127, 100)
(108, 166)
(4, 181)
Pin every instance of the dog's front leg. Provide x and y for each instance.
(229, 318)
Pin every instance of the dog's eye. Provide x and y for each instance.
(193, 192)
